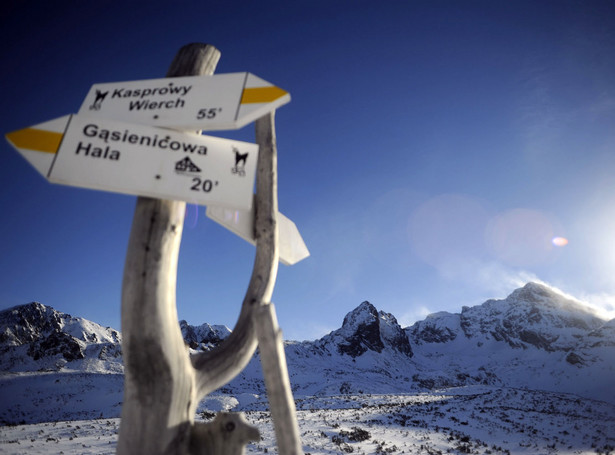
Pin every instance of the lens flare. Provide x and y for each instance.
(191, 215)
(520, 237)
(559, 241)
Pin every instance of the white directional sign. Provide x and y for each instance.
(142, 160)
(241, 222)
(218, 102)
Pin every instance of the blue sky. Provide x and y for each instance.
(431, 152)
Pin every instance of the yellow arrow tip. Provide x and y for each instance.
(35, 139)
(262, 94)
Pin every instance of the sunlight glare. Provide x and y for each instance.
(559, 241)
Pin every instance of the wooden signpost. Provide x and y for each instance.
(241, 222)
(216, 102)
(163, 384)
(103, 154)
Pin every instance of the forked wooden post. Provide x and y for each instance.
(163, 384)
(159, 386)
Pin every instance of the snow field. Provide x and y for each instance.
(478, 421)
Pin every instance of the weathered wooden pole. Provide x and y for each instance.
(159, 387)
(163, 384)
(269, 335)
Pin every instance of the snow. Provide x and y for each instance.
(482, 420)
(530, 374)
(50, 396)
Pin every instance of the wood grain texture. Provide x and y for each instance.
(220, 365)
(159, 386)
(163, 384)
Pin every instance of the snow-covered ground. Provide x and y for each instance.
(530, 374)
(480, 420)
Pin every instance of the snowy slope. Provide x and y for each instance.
(535, 338)
(478, 420)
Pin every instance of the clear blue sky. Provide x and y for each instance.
(431, 152)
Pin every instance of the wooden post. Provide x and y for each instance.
(159, 387)
(269, 335)
(257, 320)
(275, 371)
(163, 385)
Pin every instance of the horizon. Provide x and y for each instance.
(433, 155)
(595, 311)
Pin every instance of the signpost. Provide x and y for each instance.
(241, 222)
(218, 102)
(142, 160)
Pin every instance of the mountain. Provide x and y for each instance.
(532, 316)
(370, 353)
(203, 337)
(536, 338)
(366, 328)
(37, 337)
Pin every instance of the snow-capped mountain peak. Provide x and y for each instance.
(366, 329)
(28, 323)
(204, 336)
(534, 315)
(546, 297)
(35, 332)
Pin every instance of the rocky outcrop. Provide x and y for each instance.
(439, 327)
(366, 329)
(203, 337)
(35, 336)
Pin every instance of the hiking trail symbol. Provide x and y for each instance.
(240, 159)
(100, 97)
(186, 165)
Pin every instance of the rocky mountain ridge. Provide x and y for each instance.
(535, 338)
(365, 328)
(530, 316)
(37, 337)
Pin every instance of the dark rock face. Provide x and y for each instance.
(41, 328)
(393, 335)
(603, 336)
(365, 329)
(575, 359)
(110, 351)
(28, 323)
(433, 335)
(364, 326)
(436, 328)
(56, 343)
(203, 337)
(541, 341)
